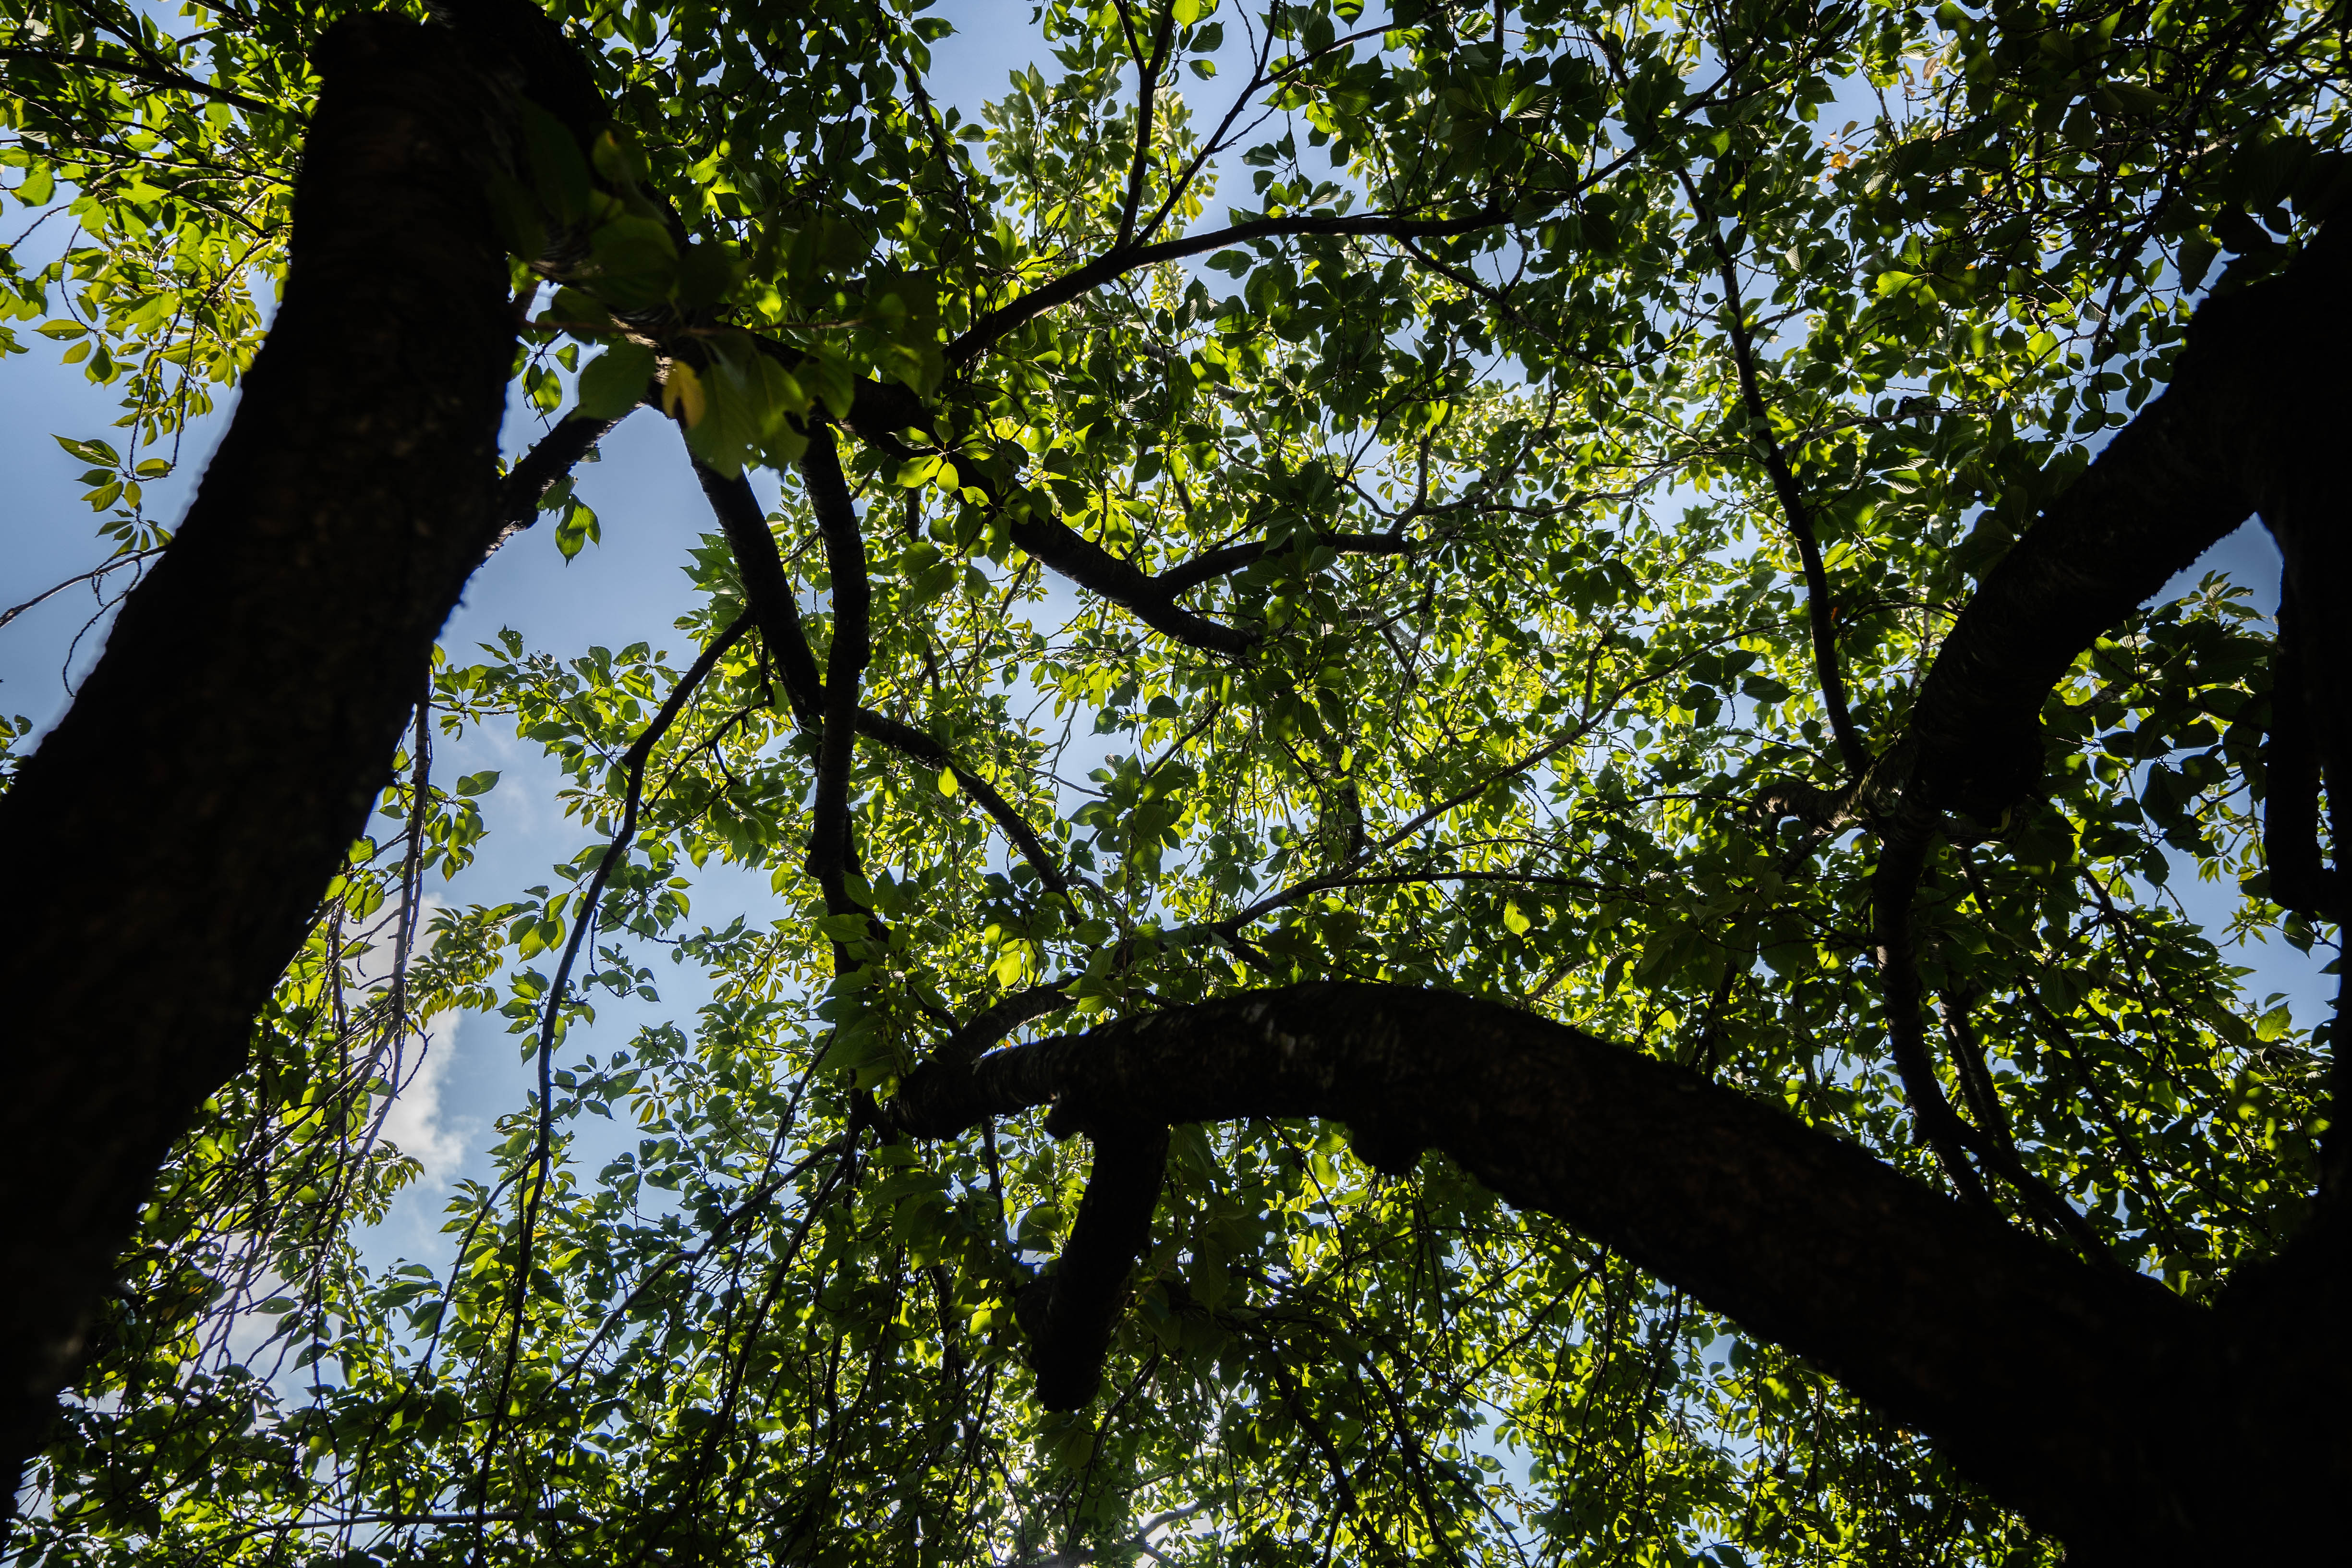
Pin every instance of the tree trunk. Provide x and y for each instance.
(168, 844)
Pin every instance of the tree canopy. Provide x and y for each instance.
(1510, 657)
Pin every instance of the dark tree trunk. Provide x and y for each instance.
(168, 844)
(2106, 1410)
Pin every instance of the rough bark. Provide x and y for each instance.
(168, 842)
(2256, 399)
(2087, 1398)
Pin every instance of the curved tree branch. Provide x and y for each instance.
(880, 410)
(2062, 1388)
(985, 332)
(2257, 391)
(1820, 610)
(767, 590)
(770, 594)
(1145, 93)
(831, 856)
(1994, 1139)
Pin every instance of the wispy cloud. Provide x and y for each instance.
(415, 1122)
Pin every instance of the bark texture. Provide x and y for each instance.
(2107, 1411)
(168, 843)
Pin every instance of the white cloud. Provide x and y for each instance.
(414, 1123)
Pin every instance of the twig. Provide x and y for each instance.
(117, 564)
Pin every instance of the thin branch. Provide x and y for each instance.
(1996, 1143)
(155, 72)
(116, 565)
(922, 748)
(1818, 608)
(777, 611)
(2025, 1363)
(985, 332)
(1235, 557)
(1145, 93)
(544, 1144)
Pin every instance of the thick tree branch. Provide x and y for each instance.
(1070, 1313)
(919, 747)
(2256, 394)
(2062, 1388)
(2300, 880)
(1092, 567)
(768, 591)
(770, 594)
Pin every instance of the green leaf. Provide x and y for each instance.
(615, 381)
(708, 273)
(90, 451)
(635, 260)
(578, 530)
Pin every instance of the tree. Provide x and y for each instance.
(1617, 963)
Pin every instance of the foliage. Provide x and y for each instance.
(1527, 637)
